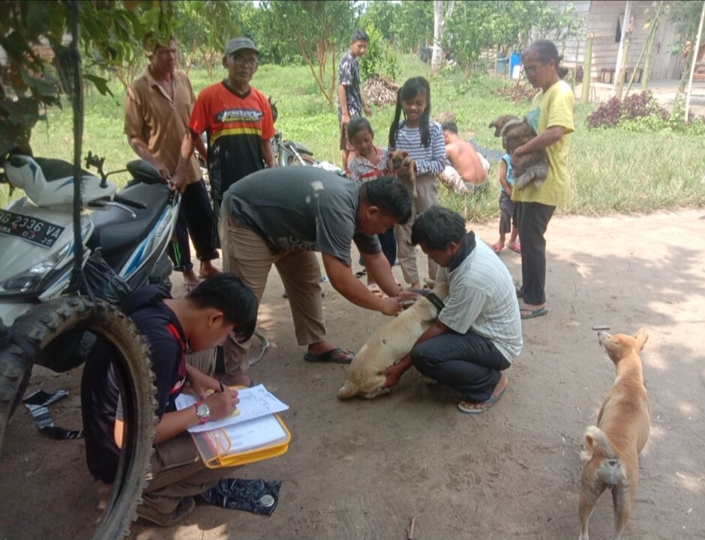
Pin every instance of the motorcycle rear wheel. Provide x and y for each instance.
(33, 332)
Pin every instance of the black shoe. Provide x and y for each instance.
(185, 507)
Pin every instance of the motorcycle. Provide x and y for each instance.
(124, 233)
(131, 228)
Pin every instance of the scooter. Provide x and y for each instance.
(132, 228)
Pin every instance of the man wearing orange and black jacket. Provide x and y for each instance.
(238, 121)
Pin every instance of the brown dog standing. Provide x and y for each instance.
(401, 165)
(611, 451)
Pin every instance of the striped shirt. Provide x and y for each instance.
(482, 299)
(362, 169)
(431, 160)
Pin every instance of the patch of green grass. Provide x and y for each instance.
(612, 170)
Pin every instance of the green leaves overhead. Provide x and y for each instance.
(34, 36)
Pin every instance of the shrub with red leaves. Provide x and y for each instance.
(641, 105)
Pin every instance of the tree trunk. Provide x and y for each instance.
(649, 50)
(438, 26)
(625, 57)
(587, 69)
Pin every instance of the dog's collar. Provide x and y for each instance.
(431, 297)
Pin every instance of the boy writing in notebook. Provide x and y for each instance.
(203, 319)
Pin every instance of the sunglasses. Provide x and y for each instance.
(242, 61)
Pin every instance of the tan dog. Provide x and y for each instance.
(401, 165)
(532, 167)
(388, 345)
(611, 451)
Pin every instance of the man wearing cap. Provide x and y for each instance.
(238, 121)
(158, 106)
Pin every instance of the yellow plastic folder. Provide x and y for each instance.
(228, 447)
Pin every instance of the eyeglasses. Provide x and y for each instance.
(531, 70)
(242, 61)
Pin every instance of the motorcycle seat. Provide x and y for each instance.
(57, 169)
(117, 233)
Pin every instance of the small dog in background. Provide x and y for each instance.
(401, 165)
(532, 167)
(611, 449)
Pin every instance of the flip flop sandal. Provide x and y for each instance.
(497, 247)
(360, 273)
(333, 356)
(531, 313)
(466, 410)
(516, 248)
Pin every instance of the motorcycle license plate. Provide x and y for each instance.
(29, 228)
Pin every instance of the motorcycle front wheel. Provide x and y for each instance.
(32, 335)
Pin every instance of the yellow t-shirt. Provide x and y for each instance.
(552, 108)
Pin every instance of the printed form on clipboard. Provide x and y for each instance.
(256, 433)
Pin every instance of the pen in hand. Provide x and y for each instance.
(222, 388)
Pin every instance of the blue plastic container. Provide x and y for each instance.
(515, 62)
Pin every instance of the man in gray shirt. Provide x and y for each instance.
(281, 217)
(478, 331)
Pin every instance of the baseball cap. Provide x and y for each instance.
(239, 43)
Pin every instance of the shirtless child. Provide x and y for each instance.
(467, 172)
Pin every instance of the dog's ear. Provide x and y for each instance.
(404, 153)
(641, 338)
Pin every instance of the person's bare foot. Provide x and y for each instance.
(237, 379)
(470, 407)
(207, 270)
(415, 285)
(190, 278)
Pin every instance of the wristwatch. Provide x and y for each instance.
(203, 412)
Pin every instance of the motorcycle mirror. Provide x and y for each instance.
(144, 172)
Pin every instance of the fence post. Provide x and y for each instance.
(587, 69)
(625, 58)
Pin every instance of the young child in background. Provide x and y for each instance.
(367, 163)
(350, 103)
(508, 221)
(423, 139)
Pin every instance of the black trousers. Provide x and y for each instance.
(196, 219)
(532, 221)
(468, 363)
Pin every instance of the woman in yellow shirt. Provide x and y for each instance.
(551, 116)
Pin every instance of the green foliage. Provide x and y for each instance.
(475, 26)
(109, 32)
(380, 58)
(685, 16)
(318, 31)
(383, 16)
(205, 27)
(414, 25)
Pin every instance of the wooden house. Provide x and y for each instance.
(608, 20)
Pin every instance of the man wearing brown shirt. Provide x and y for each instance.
(158, 106)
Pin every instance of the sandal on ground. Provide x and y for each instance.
(185, 507)
(527, 313)
(497, 247)
(374, 289)
(490, 403)
(516, 248)
(332, 356)
(360, 273)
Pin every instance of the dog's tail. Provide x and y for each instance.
(598, 445)
(348, 390)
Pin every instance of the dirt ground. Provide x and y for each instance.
(364, 469)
